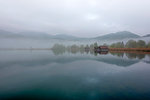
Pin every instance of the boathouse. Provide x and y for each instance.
(101, 49)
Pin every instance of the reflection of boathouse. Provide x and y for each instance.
(101, 49)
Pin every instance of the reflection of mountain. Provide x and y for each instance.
(118, 61)
(49, 59)
(147, 61)
(133, 55)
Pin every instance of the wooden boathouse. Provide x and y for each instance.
(101, 49)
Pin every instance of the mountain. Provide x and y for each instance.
(117, 36)
(42, 35)
(35, 35)
(65, 37)
(148, 35)
(7, 34)
(45, 36)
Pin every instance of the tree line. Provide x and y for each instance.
(131, 44)
(60, 48)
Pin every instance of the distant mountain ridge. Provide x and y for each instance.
(42, 35)
(35, 35)
(8, 34)
(64, 36)
(148, 35)
(118, 36)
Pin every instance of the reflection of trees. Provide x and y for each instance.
(134, 55)
(74, 49)
(92, 49)
(129, 55)
(95, 54)
(140, 56)
(81, 49)
(149, 55)
(119, 54)
(60, 49)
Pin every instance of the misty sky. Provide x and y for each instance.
(86, 18)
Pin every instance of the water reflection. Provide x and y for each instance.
(59, 49)
(120, 54)
(127, 58)
(75, 50)
(74, 75)
(130, 55)
(34, 58)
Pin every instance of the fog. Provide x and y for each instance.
(83, 18)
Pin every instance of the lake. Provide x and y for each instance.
(50, 75)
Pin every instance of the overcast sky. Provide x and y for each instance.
(86, 18)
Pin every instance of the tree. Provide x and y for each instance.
(58, 49)
(131, 44)
(87, 46)
(141, 44)
(148, 45)
(117, 45)
(82, 49)
(95, 44)
(122, 44)
(92, 47)
(105, 44)
(74, 49)
(113, 45)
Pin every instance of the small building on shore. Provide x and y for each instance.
(101, 49)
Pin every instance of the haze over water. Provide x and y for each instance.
(47, 49)
(48, 74)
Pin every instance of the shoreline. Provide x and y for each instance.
(133, 52)
(130, 49)
(25, 48)
(111, 50)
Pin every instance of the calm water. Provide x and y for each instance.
(73, 76)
